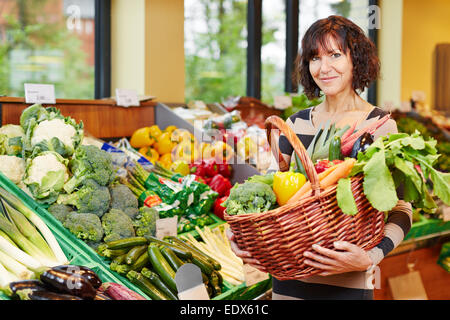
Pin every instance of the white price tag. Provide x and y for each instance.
(190, 286)
(126, 98)
(166, 227)
(39, 93)
(253, 275)
(446, 214)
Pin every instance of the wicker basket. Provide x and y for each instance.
(278, 238)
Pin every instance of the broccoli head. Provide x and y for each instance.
(145, 222)
(60, 211)
(85, 226)
(250, 197)
(122, 197)
(131, 212)
(91, 197)
(117, 225)
(90, 162)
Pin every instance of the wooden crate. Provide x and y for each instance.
(102, 118)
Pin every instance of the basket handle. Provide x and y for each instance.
(299, 148)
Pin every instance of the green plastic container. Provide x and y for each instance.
(426, 227)
(76, 250)
(444, 257)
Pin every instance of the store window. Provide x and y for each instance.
(48, 41)
(273, 49)
(215, 49)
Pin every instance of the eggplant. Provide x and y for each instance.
(101, 296)
(361, 144)
(70, 283)
(33, 285)
(86, 272)
(29, 294)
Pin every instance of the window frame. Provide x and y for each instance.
(102, 72)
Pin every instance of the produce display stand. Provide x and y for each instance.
(105, 120)
(76, 251)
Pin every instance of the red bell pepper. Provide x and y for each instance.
(221, 185)
(225, 169)
(198, 169)
(219, 211)
(211, 168)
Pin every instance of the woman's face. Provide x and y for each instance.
(332, 70)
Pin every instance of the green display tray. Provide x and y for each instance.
(76, 250)
(445, 254)
(426, 227)
(244, 292)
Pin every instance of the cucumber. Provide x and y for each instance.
(141, 262)
(161, 266)
(334, 152)
(146, 286)
(158, 283)
(127, 243)
(135, 253)
(171, 258)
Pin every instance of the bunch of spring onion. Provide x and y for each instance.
(26, 243)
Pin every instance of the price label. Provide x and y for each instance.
(126, 98)
(166, 227)
(446, 214)
(39, 93)
(253, 275)
(190, 286)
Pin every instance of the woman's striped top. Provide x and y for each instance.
(351, 285)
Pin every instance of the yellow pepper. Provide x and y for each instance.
(170, 128)
(163, 144)
(151, 154)
(186, 151)
(141, 138)
(166, 160)
(286, 184)
(180, 167)
(155, 132)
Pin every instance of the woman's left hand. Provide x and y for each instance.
(349, 258)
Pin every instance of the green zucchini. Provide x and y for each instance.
(157, 282)
(334, 152)
(179, 251)
(127, 243)
(135, 253)
(161, 266)
(141, 262)
(120, 259)
(203, 264)
(171, 258)
(146, 286)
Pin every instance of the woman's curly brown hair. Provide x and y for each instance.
(366, 65)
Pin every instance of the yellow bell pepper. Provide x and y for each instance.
(155, 132)
(186, 151)
(166, 160)
(141, 138)
(163, 144)
(170, 128)
(149, 153)
(180, 167)
(286, 184)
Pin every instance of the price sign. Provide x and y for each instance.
(253, 275)
(126, 98)
(190, 286)
(166, 227)
(39, 93)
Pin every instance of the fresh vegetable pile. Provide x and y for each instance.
(151, 264)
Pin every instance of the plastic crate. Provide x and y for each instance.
(243, 292)
(76, 250)
(426, 227)
(444, 256)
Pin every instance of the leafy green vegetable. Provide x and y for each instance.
(345, 198)
(399, 159)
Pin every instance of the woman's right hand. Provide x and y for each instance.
(244, 255)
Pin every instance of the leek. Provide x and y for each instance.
(15, 267)
(4, 235)
(6, 277)
(38, 223)
(28, 230)
(19, 255)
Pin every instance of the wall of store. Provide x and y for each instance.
(147, 43)
(425, 24)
